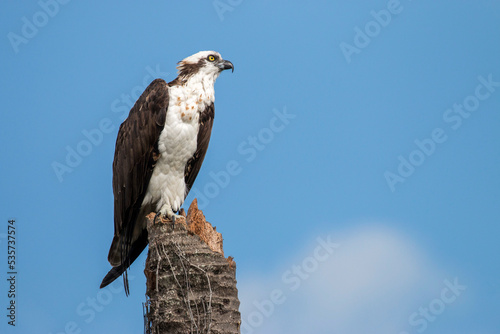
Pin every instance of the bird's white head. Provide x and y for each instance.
(208, 64)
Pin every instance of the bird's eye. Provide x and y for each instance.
(211, 58)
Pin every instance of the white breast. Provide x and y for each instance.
(177, 143)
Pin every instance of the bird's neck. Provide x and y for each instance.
(202, 84)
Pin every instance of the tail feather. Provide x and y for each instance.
(134, 251)
(113, 274)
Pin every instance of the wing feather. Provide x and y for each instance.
(136, 144)
(136, 151)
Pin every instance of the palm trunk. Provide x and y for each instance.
(191, 286)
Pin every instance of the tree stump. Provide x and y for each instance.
(191, 286)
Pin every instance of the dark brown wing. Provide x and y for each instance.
(136, 153)
(194, 164)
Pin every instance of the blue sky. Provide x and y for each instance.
(362, 142)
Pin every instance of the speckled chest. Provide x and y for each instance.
(177, 143)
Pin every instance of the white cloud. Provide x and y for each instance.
(371, 283)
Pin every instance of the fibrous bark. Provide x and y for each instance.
(191, 286)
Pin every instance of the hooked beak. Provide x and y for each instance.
(226, 65)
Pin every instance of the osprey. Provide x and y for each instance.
(159, 151)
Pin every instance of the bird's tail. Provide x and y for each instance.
(113, 274)
(132, 252)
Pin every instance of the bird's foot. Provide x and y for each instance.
(156, 216)
(166, 212)
(173, 218)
